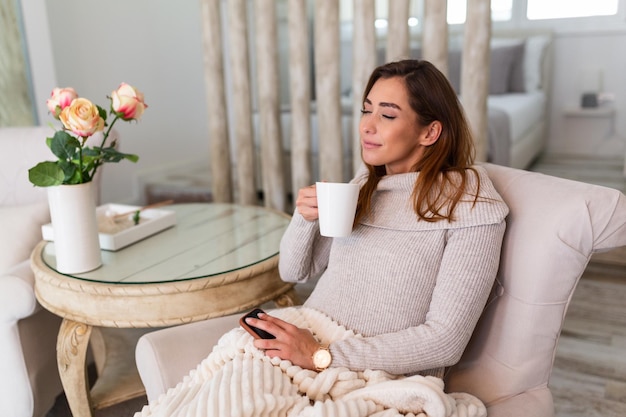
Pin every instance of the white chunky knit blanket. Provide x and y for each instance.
(237, 379)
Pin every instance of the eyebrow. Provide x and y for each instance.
(385, 104)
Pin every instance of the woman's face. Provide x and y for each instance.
(389, 128)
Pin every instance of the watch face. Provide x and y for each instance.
(322, 359)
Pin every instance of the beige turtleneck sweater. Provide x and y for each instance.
(414, 289)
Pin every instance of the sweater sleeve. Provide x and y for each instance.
(304, 252)
(464, 281)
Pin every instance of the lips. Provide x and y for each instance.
(370, 145)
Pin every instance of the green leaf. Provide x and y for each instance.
(64, 145)
(91, 152)
(113, 155)
(71, 174)
(75, 179)
(46, 174)
(102, 113)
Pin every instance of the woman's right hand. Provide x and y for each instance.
(290, 342)
(306, 203)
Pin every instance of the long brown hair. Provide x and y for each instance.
(445, 164)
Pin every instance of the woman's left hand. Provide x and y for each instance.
(291, 343)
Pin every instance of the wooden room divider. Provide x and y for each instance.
(226, 45)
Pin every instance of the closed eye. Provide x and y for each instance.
(386, 116)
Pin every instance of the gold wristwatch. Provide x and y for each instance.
(322, 358)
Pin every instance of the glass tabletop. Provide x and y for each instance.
(208, 239)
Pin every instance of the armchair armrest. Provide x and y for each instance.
(28, 378)
(165, 356)
(17, 293)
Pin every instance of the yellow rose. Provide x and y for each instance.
(82, 118)
(127, 102)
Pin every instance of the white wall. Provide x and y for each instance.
(580, 61)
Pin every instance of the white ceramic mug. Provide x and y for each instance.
(336, 204)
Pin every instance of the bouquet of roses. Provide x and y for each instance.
(77, 163)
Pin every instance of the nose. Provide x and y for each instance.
(366, 125)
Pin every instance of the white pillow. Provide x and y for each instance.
(20, 231)
(533, 61)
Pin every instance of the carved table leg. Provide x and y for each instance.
(288, 299)
(72, 344)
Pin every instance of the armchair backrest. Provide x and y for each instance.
(22, 148)
(553, 228)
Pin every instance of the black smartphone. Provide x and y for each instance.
(255, 332)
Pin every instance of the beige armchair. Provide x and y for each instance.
(29, 379)
(553, 228)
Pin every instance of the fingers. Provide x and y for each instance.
(270, 324)
(278, 328)
(306, 202)
(291, 343)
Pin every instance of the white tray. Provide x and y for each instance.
(151, 221)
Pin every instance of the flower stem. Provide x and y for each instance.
(106, 134)
(80, 158)
(104, 139)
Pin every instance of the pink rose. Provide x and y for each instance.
(82, 118)
(59, 99)
(127, 102)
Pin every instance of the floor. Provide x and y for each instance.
(589, 376)
(608, 172)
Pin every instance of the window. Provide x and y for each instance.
(501, 10)
(457, 9)
(556, 9)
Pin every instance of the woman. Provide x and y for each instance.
(415, 274)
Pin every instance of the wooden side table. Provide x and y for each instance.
(219, 259)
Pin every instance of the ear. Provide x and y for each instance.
(431, 133)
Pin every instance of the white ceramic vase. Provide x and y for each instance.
(73, 214)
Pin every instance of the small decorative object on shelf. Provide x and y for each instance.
(69, 178)
(589, 100)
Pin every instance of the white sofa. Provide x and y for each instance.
(553, 228)
(29, 379)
